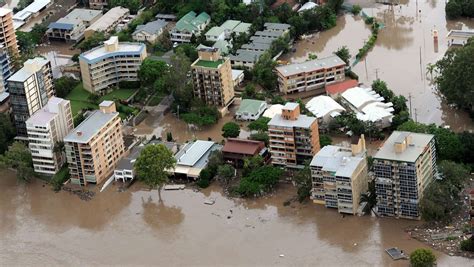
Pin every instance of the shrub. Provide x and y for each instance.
(467, 245)
(422, 257)
(356, 9)
(203, 183)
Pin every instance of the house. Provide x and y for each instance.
(150, 31)
(215, 33)
(29, 12)
(369, 106)
(324, 108)
(307, 6)
(189, 25)
(237, 77)
(236, 150)
(108, 22)
(71, 27)
(459, 37)
(166, 17)
(273, 110)
(193, 158)
(250, 109)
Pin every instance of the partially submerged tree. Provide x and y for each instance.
(19, 158)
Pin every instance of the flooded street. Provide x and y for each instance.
(403, 49)
(38, 226)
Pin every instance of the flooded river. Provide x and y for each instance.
(40, 227)
(403, 49)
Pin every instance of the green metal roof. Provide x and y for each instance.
(215, 31)
(223, 46)
(250, 106)
(230, 24)
(190, 22)
(242, 27)
(209, 64)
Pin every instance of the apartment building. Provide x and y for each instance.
(5, 69)
(339, 176)
(312, 75)
(212, 78)
(30, 88)
(95, 146)
(46, 128)
(108, 22)
(404, 167)
(71, 27)
(111, 63)
(294, 138)
(98, 4)
(189, 25)
(7, 31)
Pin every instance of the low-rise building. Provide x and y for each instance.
(108, 22)
(111, 63)
(236, 150)
(294, 138)
(339, 176)
(189, 25)
(29, 12)
(250, 109)
(166, 17)
(226, 30)
(212, 78)
(98, 4)
(312, 75)
(71, 27)
(459, 37)
(369, 106)
(324, 108)
(94, 148)
(29, 89)
(307, 6)
(150, 31)
(404, 167)
(215, 33)
(193, 158)
(238, 77)
(46, 128)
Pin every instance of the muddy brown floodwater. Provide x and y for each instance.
(403, 49)
(39, 227)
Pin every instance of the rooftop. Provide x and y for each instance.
(461, 33)
(250, 106)
(273, 110)
(337, 159)
(256, 46)
(4, 11)
(275, 34)
(208, 63)
(413, 150)
(277, 26)
(30, 67)
(109, 18)
(323, 105)
(242, 27)
(190, 22)
(31, 9)
(368, 104)
(236, 74)
(215, 31)
(152, 27)
(302, 121)
(126, 163)
(193, 152)
(307, 6)
(90, 127)
(247, 55)
(230, 24)
(124, 48)
(75, 17)
(243, 146)
(340, 87)
(263, 40)
(291, 105)
(310, 66)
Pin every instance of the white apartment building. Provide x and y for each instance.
(30, 88)
(46, 128)
(111, 63)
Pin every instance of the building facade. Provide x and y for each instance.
(311, 75)
(111, 63)
(189, 25)
(236, 150)
(339, 176)
(294, 138)
(98, 4)
(71, 27)
(404, 167)
(46, 128)
(149, 32)
(7, 31)
(30, 88)
(108, 22)
(95, 146)
(212, 78)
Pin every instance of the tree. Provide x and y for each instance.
(430, 69)
(468, 244)
(304, 183)
(422, 257)
(324, 140)
(260, 124)
(92, 41)
(344, 54)
(226, 172)
(260, 136)
(455, 80)
(356, 9)
(151, 70)
(312, 56)
(58, 147)
(133, 5)
(453, 9)
(18, 157)
(93, 98)
(263, 72)
(251, 163)
(188, 50)
(201, 115)
(7, 132)
(230, 129)
(64, 85)
(152, 166)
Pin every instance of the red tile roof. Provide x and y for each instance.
(337, 88)
(242, 146)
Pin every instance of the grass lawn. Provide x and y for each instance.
(79, 98)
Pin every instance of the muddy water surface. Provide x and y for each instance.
(40, 227)
(403, 49)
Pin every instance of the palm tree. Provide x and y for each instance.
(430, 68)
(369, 197)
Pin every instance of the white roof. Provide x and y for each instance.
(236, 74)
(323, 105)
(311, 65)
(192, 154)
(108, 18)
(302, 121)
(4, 11)
(307, 6)
(273, 110)
(369, 104)
(32, 8)
(413, 150)
(337, 159)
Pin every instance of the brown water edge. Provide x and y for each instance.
(40, 227)
(396, 55)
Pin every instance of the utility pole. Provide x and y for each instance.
(421, 66)
(409, 101)
(416, 116)
(178, 111)
(377, 73)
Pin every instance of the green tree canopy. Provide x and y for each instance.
(260, 136)
(230, 129)
(64, 85)
(226, 172)
(324, 140)
(344, 54)
(153, 164)
(263, 72)
(260, 124)
(151, 70)
(7, 132)
(18, 157)
(422, 257)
